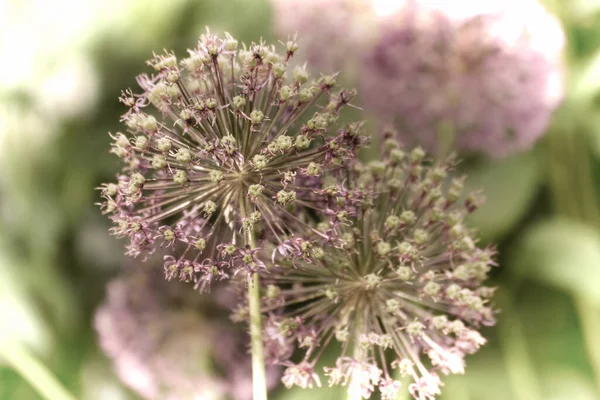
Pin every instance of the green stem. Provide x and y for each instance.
(259, 382)
(446, 138)
(517, 360)
(33, 371)
(358, 355)
(589, 317)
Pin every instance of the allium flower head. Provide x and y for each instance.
(218, 156)
(487, 73)
(398, 282)
(165, 340)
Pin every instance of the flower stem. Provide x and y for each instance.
(259, 382)
(354, 392)
(446, 138)
(33, 371)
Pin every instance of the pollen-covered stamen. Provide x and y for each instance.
(397, 280)
(226, 144)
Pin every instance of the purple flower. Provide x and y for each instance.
(163, 338)
(484, 77)
(397, 283)
(217, 159)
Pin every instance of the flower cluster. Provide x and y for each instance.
(484, 76)
(163, 342)
(235, 145)
(397, 281)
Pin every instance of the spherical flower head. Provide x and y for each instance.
(216, 158)
(484, 76)
(398, 281)
(163, 343)
(333, 32)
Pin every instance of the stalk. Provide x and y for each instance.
(353, 389)
(446, 139)
(259, 382)
(33, 371)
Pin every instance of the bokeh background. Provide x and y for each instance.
(63, 64)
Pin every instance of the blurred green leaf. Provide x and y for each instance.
(486, 377)
(510, 186)
(568, 384)
(563, 253)
(585, 79)
(541, 306)
(581, 16)
(14, 387)
(455, 388)
(19, 318)
(582, 8)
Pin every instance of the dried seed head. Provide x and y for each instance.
(398, 281)
(224, 144)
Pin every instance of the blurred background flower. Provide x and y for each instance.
(167, 342)
(64, 64)
(454, 74)
(447, 74)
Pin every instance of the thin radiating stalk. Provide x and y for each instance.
(446, 142)
(33, 371)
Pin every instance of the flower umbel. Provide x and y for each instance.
(225, 160)
(398, 282)
(163, 338)
(485, 75)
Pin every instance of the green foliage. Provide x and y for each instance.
(510, 186)
(563, 253)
